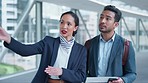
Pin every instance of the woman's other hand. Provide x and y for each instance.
(53, 71)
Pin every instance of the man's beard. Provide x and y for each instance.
(107, 31)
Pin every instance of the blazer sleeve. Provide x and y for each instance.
(129, 70)
(25, 50)
(76, 75)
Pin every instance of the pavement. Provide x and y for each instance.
(142, 67)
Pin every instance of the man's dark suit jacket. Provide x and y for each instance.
(115, 68)
(48, 47)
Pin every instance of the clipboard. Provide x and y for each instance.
(98, 79)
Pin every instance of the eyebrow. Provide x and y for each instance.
(109, 16)
(106, 15)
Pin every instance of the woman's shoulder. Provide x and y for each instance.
(50, 38)
(79, 45)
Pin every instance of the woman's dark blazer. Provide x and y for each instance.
(48, 47)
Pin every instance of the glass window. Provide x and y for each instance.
(10, 28)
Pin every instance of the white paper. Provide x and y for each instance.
(97, 79)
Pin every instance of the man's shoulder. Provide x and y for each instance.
(91, 41)
(94, 38)
(120, 38)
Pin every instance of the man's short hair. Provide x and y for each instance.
(117, 12)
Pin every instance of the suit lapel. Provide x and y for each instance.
(94, 52)
(73, 55)
(55, 50)
(115, 47)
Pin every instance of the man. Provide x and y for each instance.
(105, 51)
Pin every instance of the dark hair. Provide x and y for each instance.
(117, 12)
(76, 19)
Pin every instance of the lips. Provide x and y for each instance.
(102, 26)
(64, 32)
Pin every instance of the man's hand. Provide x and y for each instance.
(119, 80)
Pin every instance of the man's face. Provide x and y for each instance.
(107, 22)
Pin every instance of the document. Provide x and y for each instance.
(98, 79)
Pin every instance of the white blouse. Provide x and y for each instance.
(62, 59)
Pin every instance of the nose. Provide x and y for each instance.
(65, 26)
(102, 20)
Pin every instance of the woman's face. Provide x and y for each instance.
(67, 26)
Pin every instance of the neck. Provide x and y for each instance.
(68, 38)
(107, 36)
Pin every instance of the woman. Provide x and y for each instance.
(62, 60)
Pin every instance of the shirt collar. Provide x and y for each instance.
(112, 39)
(63, 40)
